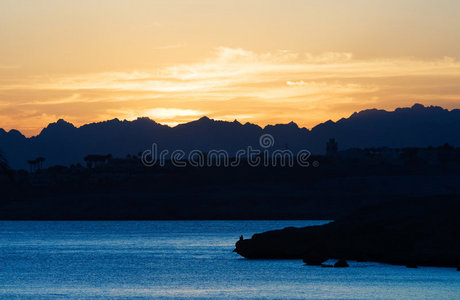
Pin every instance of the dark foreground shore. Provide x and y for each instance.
(419, 232)
(124, 189)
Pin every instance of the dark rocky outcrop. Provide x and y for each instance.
(341, 263)
(423, 232)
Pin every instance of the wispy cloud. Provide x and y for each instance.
(171, 113)
(294, 83)
(276, 86)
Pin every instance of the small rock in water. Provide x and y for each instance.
(326, 266)
(342, 263)
(458, 268)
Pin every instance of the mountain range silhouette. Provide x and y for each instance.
(61, 143)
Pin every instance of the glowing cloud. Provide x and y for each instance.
(170, 113)
(269, 87)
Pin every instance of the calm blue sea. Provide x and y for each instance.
(187, 259)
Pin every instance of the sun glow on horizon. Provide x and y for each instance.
(306, 69)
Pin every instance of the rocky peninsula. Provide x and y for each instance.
(414, 232)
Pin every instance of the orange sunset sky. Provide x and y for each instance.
(255, 61)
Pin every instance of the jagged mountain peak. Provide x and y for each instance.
(61, 123)
(62, 143)
(205, 119)
(368, 113)
(15, 133)
(60, 126)
(291, 125)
